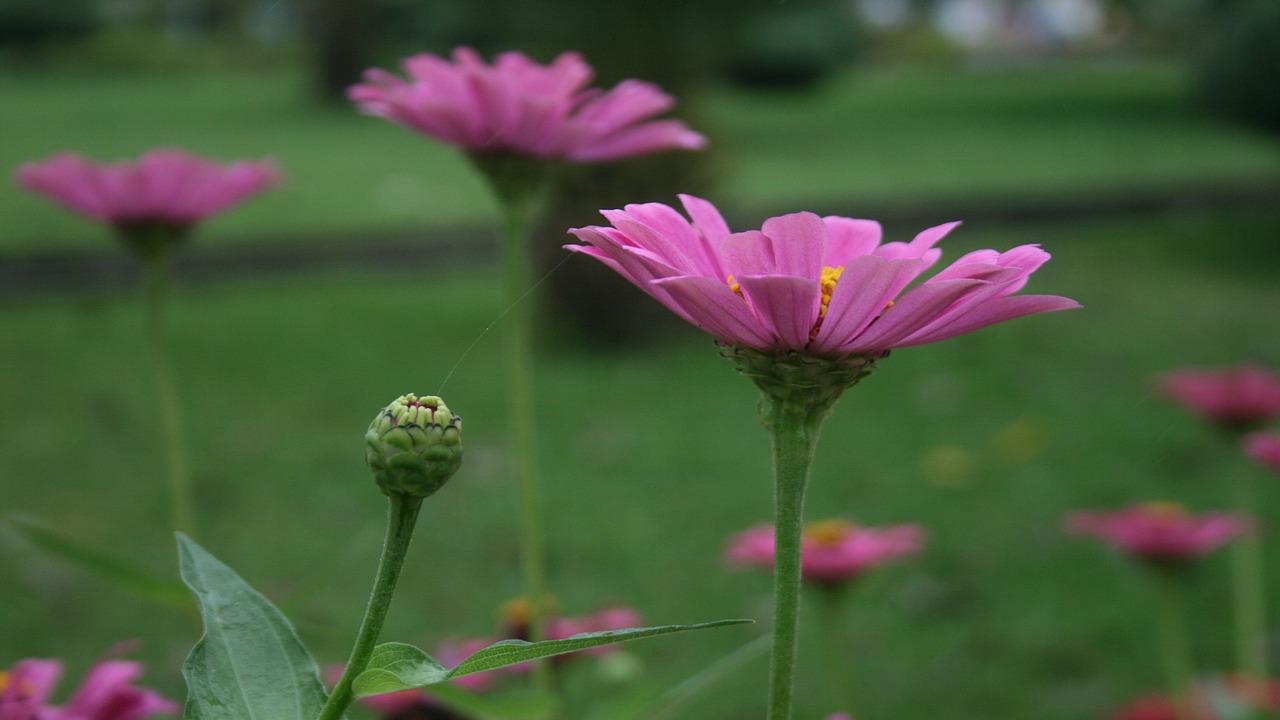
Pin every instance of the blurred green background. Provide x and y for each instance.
(1137, 141)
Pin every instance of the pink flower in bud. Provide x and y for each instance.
(1264, 448)
(164, 187)
(1160, 532)
(1238, 398)
(832, 551)
(107, 693)
(825, 287)
(517, 107)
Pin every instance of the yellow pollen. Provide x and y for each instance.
(829, 532)
(4, 681)
(736, 288)
(829, 277)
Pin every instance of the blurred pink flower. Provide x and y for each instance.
(516, 106)
(164, 187)
(1221, 698)
(823, 286)
(840, 716)
(1159, 532)
(1241, 397)
(832, 551)
(1264, 448)
(107, 693)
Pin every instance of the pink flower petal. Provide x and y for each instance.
(786, 306)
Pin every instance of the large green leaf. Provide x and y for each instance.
(250, 664)
(122, 572)
(397, 666)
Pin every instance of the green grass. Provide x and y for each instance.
(651, 459)
(867, 137)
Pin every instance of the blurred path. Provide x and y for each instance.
(76, 271)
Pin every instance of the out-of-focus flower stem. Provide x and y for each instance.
(1175, 651)
(521, 206)
(1248, 595)
(794, 429)
(181, 514)
(831, 604)
(402, 516)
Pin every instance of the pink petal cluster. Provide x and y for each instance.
(516, 106)
(1159, 532)
(823, 286)
(164, 186)
(1239, 397)
(107, 693)
(1264, 448)
(832, 551)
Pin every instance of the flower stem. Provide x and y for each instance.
(520, 210)
(831, 604)
(1175, 650)
(1247, 588)
(402, 516)
(795, 436)
(181, 515)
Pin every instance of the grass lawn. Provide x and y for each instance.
(867, 137)
(651, 459)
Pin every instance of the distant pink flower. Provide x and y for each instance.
(164, 187)
(840, 716)
(1160, 532)
(1264, 448)
(821, 286)
(107, 693)
(1218, 698)
(1240, 397)
(832, 551)
(516, 106)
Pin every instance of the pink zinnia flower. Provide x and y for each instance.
(516, 106)
(1264, 448)
(1210, 699)
(822, 286)
(164, 187)
(832, 551)
(107, 693)
(1160, 532)
(1239, 398)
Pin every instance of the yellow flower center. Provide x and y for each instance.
(1164, 511)
(829, 277)
(829, 533)
(4, 681)
(736, 288)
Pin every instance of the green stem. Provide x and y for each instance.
(181, 515)
(1175, 650)
(520, 210)
(831, 604)
(1248, 595)
(402, 516)
(795, 437)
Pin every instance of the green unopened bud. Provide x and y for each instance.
(414, 446)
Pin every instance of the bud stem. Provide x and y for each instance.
(794, 433)
(181, 515)
(402, 516)
(1175, 651)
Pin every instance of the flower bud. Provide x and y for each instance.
(414, 446)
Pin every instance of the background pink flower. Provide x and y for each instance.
(1158, 531)
(164, 186)
(519, 107)
(1239, 397)
(832, 551)
(822, 286)
(107, 693)
(1264, 448)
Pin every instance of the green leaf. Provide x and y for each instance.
(397, 666)
(250, 664)
(119, 571)
(507, 706)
